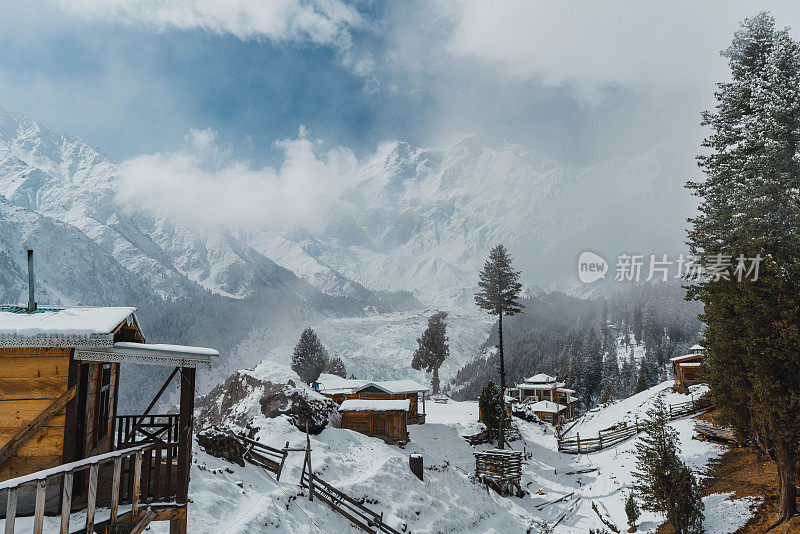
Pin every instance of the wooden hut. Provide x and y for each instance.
(64, 445)
(386, 419)
(549, 412)
(686, 368)
(543, 387)
(340, 390)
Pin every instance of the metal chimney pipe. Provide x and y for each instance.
(31, 302)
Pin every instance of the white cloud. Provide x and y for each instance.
(317, 21)
(592, 44)
(201, 185)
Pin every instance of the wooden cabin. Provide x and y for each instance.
(341, 389)
(543, 387)
(686, 368)
(65, 447)
(549, 412)
(386, 419)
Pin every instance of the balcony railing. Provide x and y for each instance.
(136, 478)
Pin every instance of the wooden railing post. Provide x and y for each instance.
(578, 437)
(66, 502)
(185, 433)
(11, 510)
(115, 489)
(38, 519)
(91, 499)
(137, 478)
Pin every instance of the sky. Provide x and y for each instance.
(583, 81)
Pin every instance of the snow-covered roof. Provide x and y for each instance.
(684, 357)
(370, 405)
(61, 327)
(540, 378)
(546, 406)
(696, 347)
(149, 354)
(690, 364)
(332, 384)
(396, 386)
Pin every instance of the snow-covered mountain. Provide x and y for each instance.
(424, 220)
(60, 178)
(417, 220)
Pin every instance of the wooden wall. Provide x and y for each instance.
(391, 426)
(30, 380)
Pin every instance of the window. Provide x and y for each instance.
(104, 401)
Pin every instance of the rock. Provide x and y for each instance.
(217, 442)
(300, 405)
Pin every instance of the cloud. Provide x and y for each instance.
(324, 22)
(201, 185)
(588, 46)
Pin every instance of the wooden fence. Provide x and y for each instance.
(269, 458)
(620, 432)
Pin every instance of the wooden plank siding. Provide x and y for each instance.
(339, 398)
(31, 379)
(389, 425)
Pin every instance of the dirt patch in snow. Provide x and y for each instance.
(743, 472)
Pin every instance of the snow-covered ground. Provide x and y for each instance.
(229, 499)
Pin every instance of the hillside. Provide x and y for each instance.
(232, 499)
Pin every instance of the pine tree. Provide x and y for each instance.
(336, 367)
(499, 295)
(750, 206)
(632, 511)
(656, 460)
(684, 505)
(309, 358)
(432, 348)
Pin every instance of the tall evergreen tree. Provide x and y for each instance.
(684, 504)
(750, 205)
(432, 348)
(499, 295)
(309, 358)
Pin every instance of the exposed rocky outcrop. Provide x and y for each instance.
(218, 442)
(240, 399)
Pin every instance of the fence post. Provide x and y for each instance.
(637, 423)
(600, 439)
(310, 469)
(578, 437)
(693, 408)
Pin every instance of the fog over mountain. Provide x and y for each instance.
(412, 219)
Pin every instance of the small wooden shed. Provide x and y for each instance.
(386, 419)
(340, 390)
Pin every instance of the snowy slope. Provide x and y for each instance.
(447, 501)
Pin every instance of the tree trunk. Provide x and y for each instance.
(501, 437)
(435, 381)
(787, 475)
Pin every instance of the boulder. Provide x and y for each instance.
(218, 442)
(301, 405)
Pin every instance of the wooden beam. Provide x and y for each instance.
(185, 433)
(153, 402)
(91, 499)
(146, 519)
(34, 426)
